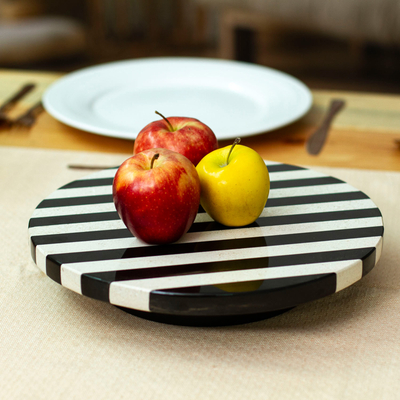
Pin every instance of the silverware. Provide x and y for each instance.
(29, 117)
(317, 140)
(9, 103)
(89, 167)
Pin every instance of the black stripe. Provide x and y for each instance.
(369, 262)
(73, 219)
(80, 236)
(71, 201)
(232, 265)
(317, 198)
(283, 168)
(327, 180)
(88, 183)
(278, 202)
(217, 245)
(97, 288)
(84, 200)
(53, 270)
(112, 215)
(318, 217)
(78, 218)
(292, 219)
(273, 294)
(76, 201)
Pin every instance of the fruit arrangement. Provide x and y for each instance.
(177, 165)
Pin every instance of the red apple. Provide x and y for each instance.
(157, 195)
(187, 136)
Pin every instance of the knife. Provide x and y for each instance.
(317, 140)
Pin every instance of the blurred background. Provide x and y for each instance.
(328, 44)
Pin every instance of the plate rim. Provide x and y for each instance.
(58, 114)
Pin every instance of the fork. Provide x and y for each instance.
(29, 117)
(9, 103)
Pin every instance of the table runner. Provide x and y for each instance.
(61, 345)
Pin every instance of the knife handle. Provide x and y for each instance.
(317, 139)
(16, 97)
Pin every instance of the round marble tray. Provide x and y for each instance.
(316, 236)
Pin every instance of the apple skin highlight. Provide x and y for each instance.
(157, 205)
(189, 137)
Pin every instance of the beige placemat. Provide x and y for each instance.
(56, 344)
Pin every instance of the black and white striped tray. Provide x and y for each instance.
(316, 236)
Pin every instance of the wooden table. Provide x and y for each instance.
(363, 135)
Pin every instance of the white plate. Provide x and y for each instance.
(233, 98)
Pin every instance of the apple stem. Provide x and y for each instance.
(236, 141)
(165, 119)
(154, 159)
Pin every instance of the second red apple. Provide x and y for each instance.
(187, 136)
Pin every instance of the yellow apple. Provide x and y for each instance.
(234, 183)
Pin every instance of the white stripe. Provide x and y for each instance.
(76, 228)
(104, 173)
(193, 237)
(316, 208)
(296, 175)
(43, 251)
(202, 217)
(136, 294)
(378, 250)
(80, 192)
(269, 162)
(311, 190)
(210, 236)
(70, 273)
(73, 210)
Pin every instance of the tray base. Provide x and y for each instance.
(204, 321)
